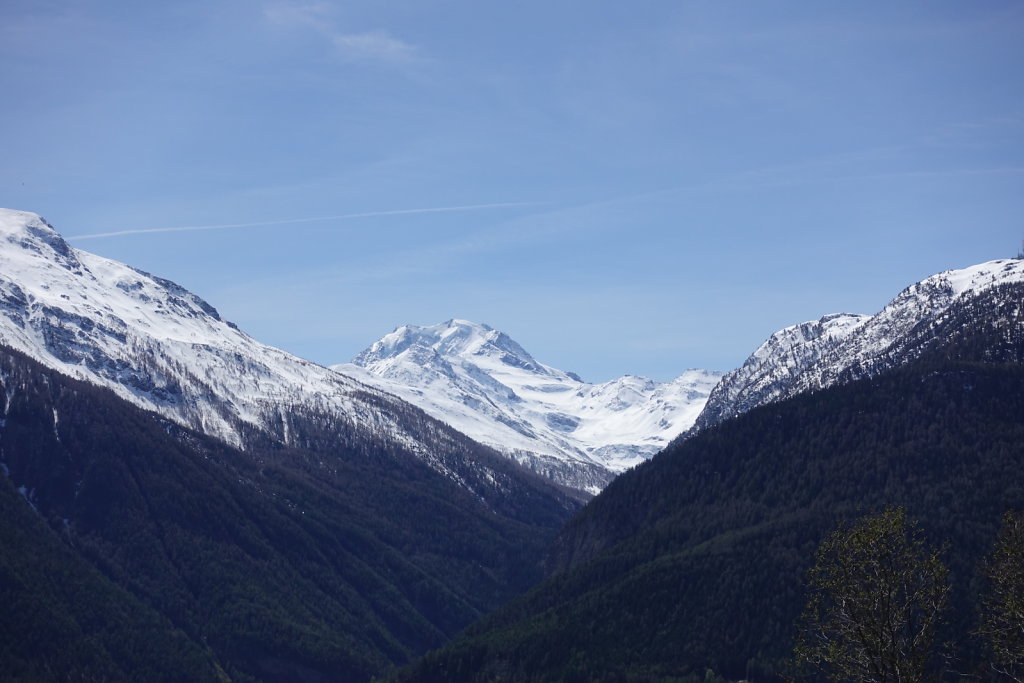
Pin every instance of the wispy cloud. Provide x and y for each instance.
(378, 45)
(315, 15)
(532, 230)
(293, 221)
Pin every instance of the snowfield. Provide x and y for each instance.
(164, 349)
(159, 346)
(480, 381)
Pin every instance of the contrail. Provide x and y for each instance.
(365, 214)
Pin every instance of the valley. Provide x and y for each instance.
(184, 502)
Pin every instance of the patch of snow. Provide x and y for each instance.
(484, 384)
(28, 495)
(836, 348)
(159, 346)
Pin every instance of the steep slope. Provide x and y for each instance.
(141, 550)
(164, 349)
(844, 347)
(696, 559)
(484, 384)
(64, 618)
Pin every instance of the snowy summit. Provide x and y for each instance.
(843, 347)
(163, 348)
(483, 383)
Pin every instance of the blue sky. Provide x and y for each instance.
(622, 187)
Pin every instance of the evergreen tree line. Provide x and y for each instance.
(134, 549)
(695, 560)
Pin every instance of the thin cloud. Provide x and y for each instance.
(315, 15)
(292, 221)
(369, 46)
(377, 46)
(534, 229)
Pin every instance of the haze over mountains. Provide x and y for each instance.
(165, 349)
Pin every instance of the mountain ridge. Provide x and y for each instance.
(695, 559)
(162, 348)
(485, 384)
(844, 347)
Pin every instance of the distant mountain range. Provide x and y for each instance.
(487, 386)
(164, 349)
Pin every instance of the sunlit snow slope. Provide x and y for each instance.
(845, 347)
(487, 386)
(165, 349)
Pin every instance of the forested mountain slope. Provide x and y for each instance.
(134, 548)
(696, 559)
(65, 620)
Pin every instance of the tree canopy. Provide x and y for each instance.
(877, 596)
(1002, 617)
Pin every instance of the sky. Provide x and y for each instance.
(623, 188)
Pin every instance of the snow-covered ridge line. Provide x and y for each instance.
(844, 347)
(483, 383)
(164, 349)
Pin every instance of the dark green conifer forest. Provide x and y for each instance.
(135, 549)
(697, 559)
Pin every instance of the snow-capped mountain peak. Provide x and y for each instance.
(844, 347)
(159, 346)
(25, 226)
(482, 382)
(34, 239)
(150, 340)
(451, 339)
